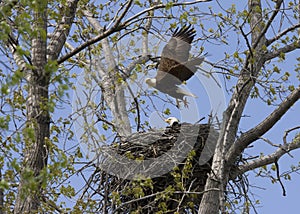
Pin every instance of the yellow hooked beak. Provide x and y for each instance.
(168, 120)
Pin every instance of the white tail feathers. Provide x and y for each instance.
(185, 92)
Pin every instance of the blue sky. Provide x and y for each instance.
(269, 195)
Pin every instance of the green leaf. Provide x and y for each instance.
(291, 87)
(169, 5)
(276, 69)
(167, 111)
(137, 2)
(4, 184)
(273, 167)
(236, 54)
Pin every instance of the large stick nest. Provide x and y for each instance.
(177, 190)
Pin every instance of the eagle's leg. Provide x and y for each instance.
(185, 103)
(178, 103)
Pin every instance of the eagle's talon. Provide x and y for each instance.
(185, 103)
(178, 103)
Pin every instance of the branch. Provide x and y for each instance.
(287, 132)
(118, 20)
(114, 96)
(247, 42)
(1, 195)
(89, 42)
(20, 61)
(145, 50)
(254, 133)
(108, 55)
(260, 34)
(272, 158)
(285, 49)
(131, 66)
(281, 34)
(59, 36)
(270, 21)
(158, 6)
(12, 42)
(117, 27)
(278, 178)
(160, 193)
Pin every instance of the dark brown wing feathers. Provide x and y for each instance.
(185, 34)
(186, 70)
(175, 55)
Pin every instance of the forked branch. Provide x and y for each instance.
(254, 133)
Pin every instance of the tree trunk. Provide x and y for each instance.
(113, 92)
(36, 132)
(213, 198)
(1, 196)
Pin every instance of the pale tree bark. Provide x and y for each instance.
(113, 92)
(214, 200)
(35, 154)
(1, 196)
(107, 75)
(38, 117)
(62, 30)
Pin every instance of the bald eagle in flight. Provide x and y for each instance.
(175, 67)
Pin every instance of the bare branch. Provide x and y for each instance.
(145, 56)
(108, 55)
(247, 41)
(118, 20)
(254, 133)
(145, 35)
(269, 142)
(272, 158)
(89, 42)
(285, 49)
(114, 96)
(278, 178)
(287, 132)
(117, 27)
(131, 66)
(258, 36)
(158, 6)
(281, 34)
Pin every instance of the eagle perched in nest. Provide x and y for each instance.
(154, 144)
(175, 67)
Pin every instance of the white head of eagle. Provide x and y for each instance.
(175, 67)
(172, 121)
(151, 82)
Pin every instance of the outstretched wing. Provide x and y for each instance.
(179, 46)
(185, 71)
(176, 53)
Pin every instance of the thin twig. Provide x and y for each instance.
(278, 178)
